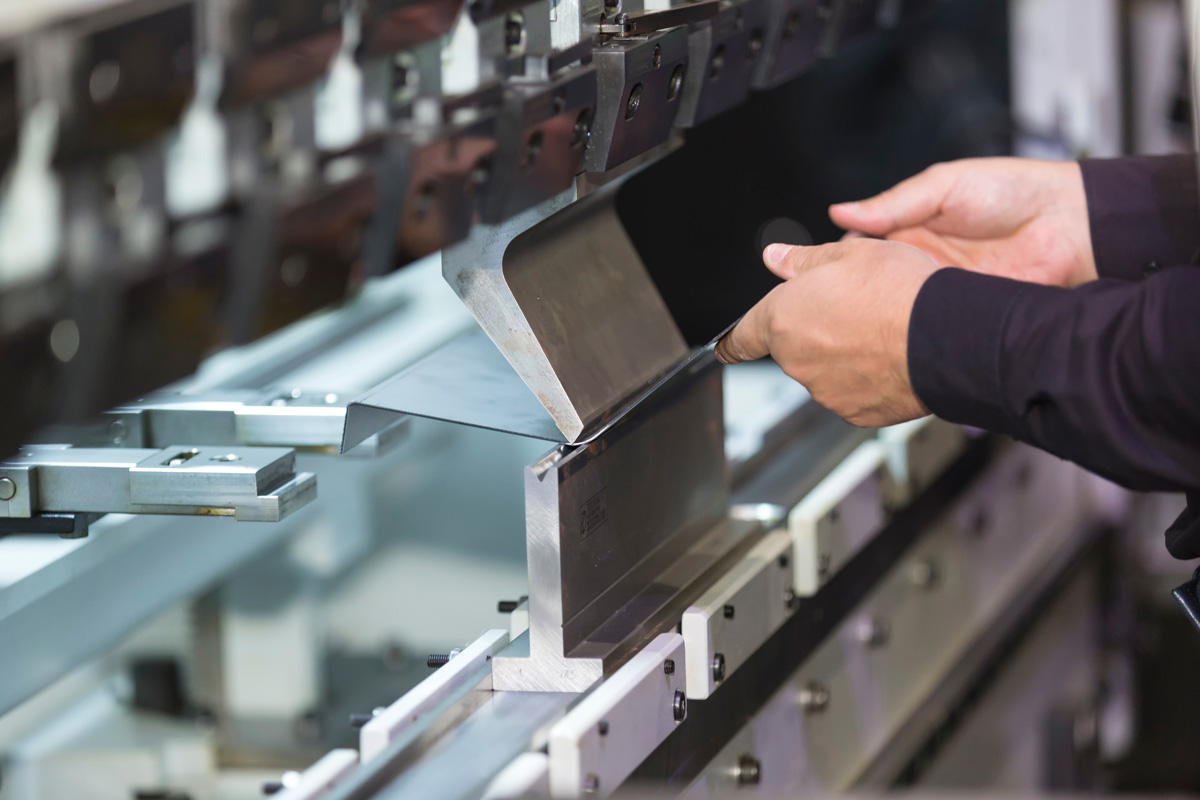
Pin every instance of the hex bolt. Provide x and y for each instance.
(669, 666)
(359, 720)
(728, 611)
(634, 100)
(591, 784)
(676, 84)
(679, 706)
(813, 698)
(749, 771)
(436, 660)
(8, 489)
(718, 667)
(874, 633)
(924, 574)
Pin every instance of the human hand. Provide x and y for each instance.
(1013, 217)
(839, 326)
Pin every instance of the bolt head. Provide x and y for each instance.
(749, 771)
(718, 667)
(669, 666)
(679, 706)
(728, 611)
(8, 489)
(602, 728)
(813, 698)
(874, 632)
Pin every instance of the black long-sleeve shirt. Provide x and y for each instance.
(1107, 374)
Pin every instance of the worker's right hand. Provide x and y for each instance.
(1017, 218)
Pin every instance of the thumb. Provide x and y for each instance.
(908, 203)
(748, 341)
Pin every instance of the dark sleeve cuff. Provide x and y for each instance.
(1143, 212)
(955, 336)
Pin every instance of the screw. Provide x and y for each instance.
(635, 99)
(676, 84)
(784, 561)
(514, 32)
(824, 562)
(755, 45)
(813, 698)
(669, 666)
(117, 431)
(749, 771)
(657, 59)
(358, 720)
(790, 601)
(582, 123)
(718, 61)
(874, 633)
(272, 787)
(603, 727)
(591, 784)
(791, 25)
(728, 612)
(718, 667)
(507, 606)
(679, 706)
(8, 489)
(437, 660)
(924, 574)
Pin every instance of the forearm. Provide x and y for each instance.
(1106, 375)
(1143, 212)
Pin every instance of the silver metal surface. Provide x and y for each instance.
(562, 292)
(308, 420)
(250, 484)
(619, 531)
(467, 381)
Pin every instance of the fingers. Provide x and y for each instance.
(787, 261)
(749, 339)
(906, 204)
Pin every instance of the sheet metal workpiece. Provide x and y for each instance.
(562, 292)
(619, 532)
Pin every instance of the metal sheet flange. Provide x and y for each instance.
(603, 739)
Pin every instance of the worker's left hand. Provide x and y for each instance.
(839, 326)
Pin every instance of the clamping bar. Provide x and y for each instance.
(257, 484)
